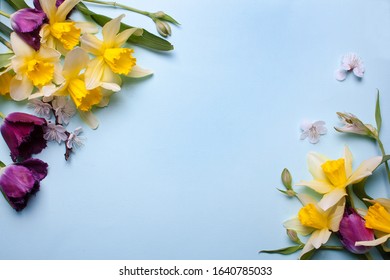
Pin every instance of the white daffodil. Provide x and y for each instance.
(111, 59)
(60, 33)
(313, 131)
(32, 68)
(378, 219)
(313, 220)
(331, 177)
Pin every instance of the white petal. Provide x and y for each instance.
(348, 161)
(306, 125)
(375, 242)
(75, 61)
(110, 86)
(331, 198)
(304, 135)
(122, 37)
(110, 29)
(87, 27)
(306, 199)
(307, 248)
(94, 73)
(90, 119)
(20, 89)
(319, 237)
(19, 47)
(111, 77)
(314, 162)
(49, 7)
(91, 44)
(358, 71)
(138, 72)
(336, 214)
(64, 9)
(319, 186)
(365, 169)
(314, 138)
(340, 75)
(296, 225)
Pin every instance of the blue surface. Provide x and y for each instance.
(185, 164)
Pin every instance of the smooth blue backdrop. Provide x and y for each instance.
(185, 164)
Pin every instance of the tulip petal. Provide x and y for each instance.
(111, 29)
(364, 170)
(37, 167)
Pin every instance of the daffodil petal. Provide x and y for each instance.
(110, 29)
(331, 198)
(87, 27)
(336, 214)
(94, 73)
(75, 61)
(91, 44)
(48, 54)
(365, 169)
(64, 9)
(90, 119)
(307, 248)
(138, 72)
(374, 242)
(382, 201)
(296, 225)
(122, 37)
(318, 186)
(306, 199)
(348, 161)
(49, 7)
(20, 89)
(19, 47)
(110, 86)
(319, 237)
(314, 162)
(111, 77)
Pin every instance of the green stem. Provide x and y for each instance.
(368, 256)
(349, 197)
(2, 115)
(115, 4)
(381, 147)
(330, 247)
(5, 43)
(5, 14)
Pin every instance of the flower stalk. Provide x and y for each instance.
(5, 43)
(4, 14)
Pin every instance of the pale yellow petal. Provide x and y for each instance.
(382, 201)
(20, 89)
(50, 9)
(296, 225)
(90, 119)
(374, 242)
(76, 60)
(19, 47)
(314, 162)
(318, 186)
(91, 44)
(319, 237)
(48, 54)
(122, 37)
(110, 86)
(110, 29)
(138, 72)
(64, 9)
(348, 161)
(306, 199)
(331, 198)
(94, 73)
(364, 170)
(307, 248)
(336, 214)
(111, 77)
(87, 27)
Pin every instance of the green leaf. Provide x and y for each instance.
(378, 117)
(169, 19)
(5, 59)
(147, 39)
(360, 191)
(284, 251)
(2, 164)
(308, 255)
(17, 4)
(385, 158)
(5, 29)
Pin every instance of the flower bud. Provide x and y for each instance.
(353, 229)
(163, 28)
(353, 125)
(286, 179)
(292, 234)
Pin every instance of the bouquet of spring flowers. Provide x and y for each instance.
(61, 68)
(334, 211)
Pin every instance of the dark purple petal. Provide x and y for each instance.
(27, 23)
(353, 229)
(37, 167)
(23, 134)
(17, 184)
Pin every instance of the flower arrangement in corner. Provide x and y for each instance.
(334, 210)
(60, 68)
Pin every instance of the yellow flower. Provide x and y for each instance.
(111, 60)
(32, 68)
(74, 85)
(378, 219)
(60, 33)
(331, 177)
(313, 220)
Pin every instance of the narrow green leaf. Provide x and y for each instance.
(5, 29)
(284, 251)
(308, 255)
(169, 19)
(378, 117)
(147, 39)
(385, 158)
(360, 192)
(17, 4)
(2, 164)
(5, 59)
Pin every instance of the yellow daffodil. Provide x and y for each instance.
(378, 219)
(331, 177)
(32, 68)
(320, 224)
(5, 82)
(74, 85)
(60, 33)
(111, 59)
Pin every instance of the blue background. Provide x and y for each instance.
(185, 164)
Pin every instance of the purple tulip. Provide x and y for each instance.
(27, 24)
(352, 229)
(19, 181)
(23, 134)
